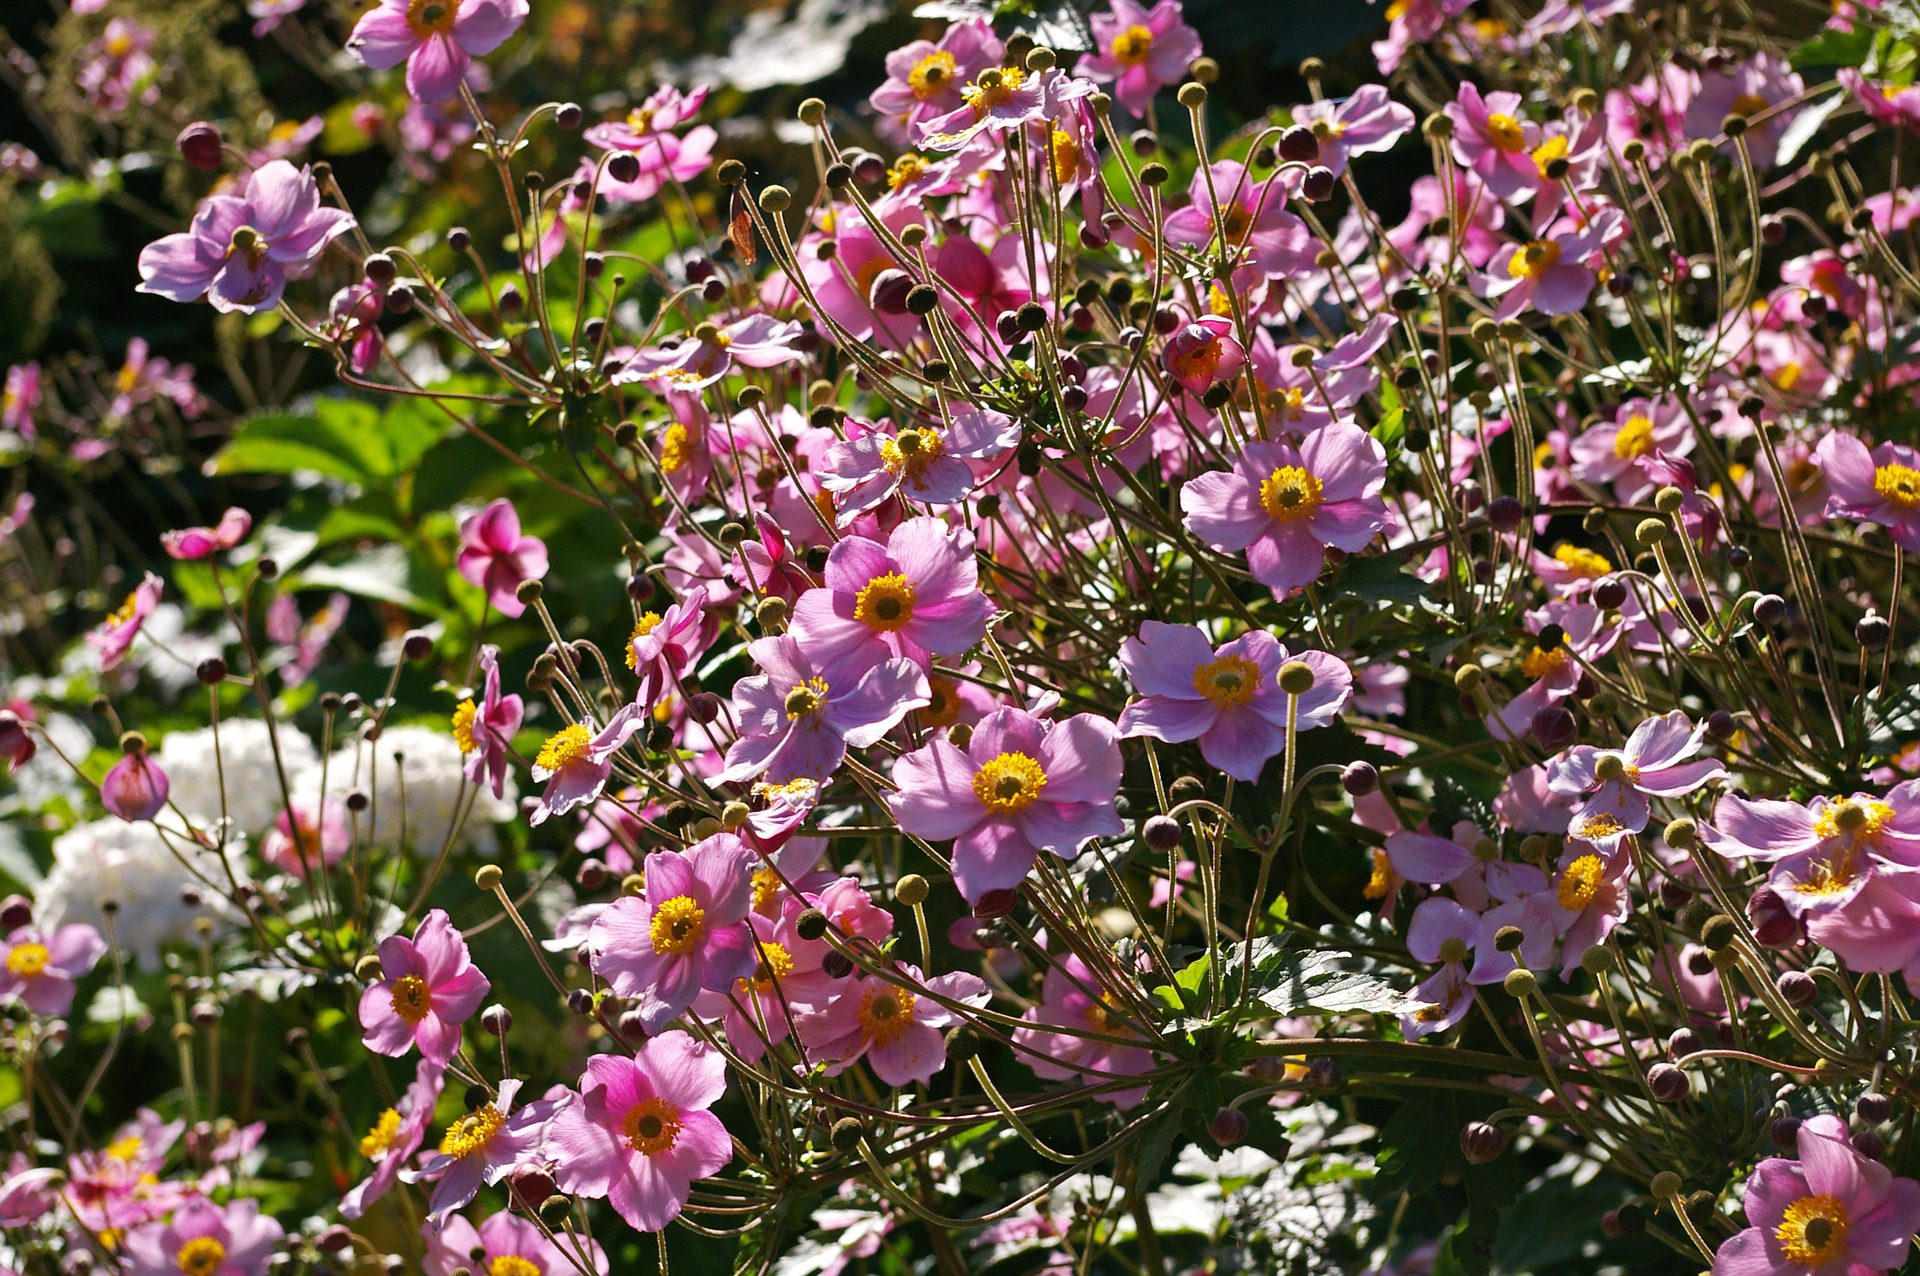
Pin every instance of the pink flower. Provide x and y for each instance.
(801, 713)
(1552, 274)
(16, 742)
(1228, 698)
(429, 986)
(640, 1133)
(1283, 504)
(1003, 100)
(1490, 138)
(788, 975)
(459, 1246)
(895, 1027)
(925, 463)
(1071, 998)
(1022, 786)
(1881, 486)
(135, 788)
(647, 135)
(1141, 51)
(29, 1193)
(220, 1240)
(483, 730)
(710, 351)
(1361, 124)
(496, 557)
(1253, 220)
(311, 834)
(1887, 102)
(924, 79)
(686, 932)
(1566, 635)
(435, 38)
(20, 399)
(114, 637)
(1611, 451)
(1204, 353)
(917, 596)
(1755, 87)
(576, 762)
(1591, 891)
(395, 1137)
(242, 249)
(1613, 786)
(41, 969)
(482, 1147)
(663, 647)
(199, 542)
(1831, 1211)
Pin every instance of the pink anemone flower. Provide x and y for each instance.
(926, 463)
(459, 1246)
(710, 351)
(648, 135)
(495, 557)
(428, 987)
(483, 729)
(1614, 785)
(1023, 785)
(1284, 505)
(1366, 121)
(310, 836)
(1071, 998)
(1552, 274)
(1204, 353)
(1228, 698)
(664, 645)
(220, 1240)
(435, 38)
(917, 596)
(640, 1133)
(240, 250)
(1880, 486)
(801, 713)
(895, 1027)
(41, 969)
(114, 636)
(200, 542)
(576, 762)
(395, 1136)
(482, 1147)
(135, 788)
(687, 931)
(1140, 50)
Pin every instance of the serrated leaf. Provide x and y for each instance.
(1290, 982)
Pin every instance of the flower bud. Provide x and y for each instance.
(1317, 185)
(1554, 728)
(1870, 1145)
(623, 167)
(1773, 925)
(1160, 833)
(1296, 677)
(1873, 1107)
(1481, 1142)
(810, 925)
(1360, 778)
(1299, 145)
(1228, 1127)
(1520, 982)
(497, 1019)
(1872, 631)
(530, 1185)
(911, 890)
(1796, 987)
(1668, 1083)
(554, 1211)
(1769, 609)
(1683, 1042)
(1718, 931)
(200, 145)
(996, 904)
(136, 788)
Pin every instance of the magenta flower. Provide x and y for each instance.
(40, 969)
(28, 1193)
(924, 79)
(429, 986)
(1832, 1211)
(1591, 890)
(1490, 138)
(395, 1137)
(576, 762)
(1228, 698)
(496, 557)
(1553, 274)
(710, 351)
(1023, 785)
(1566, 635)
(311, 835)
(135, 788)
(459, 1246)
(686, 932)
(801, 713)
(203, 1238)
(1283, 505)
(1613, 785)
(242, 249)
(1071, 998)
(640, 1132)
(199, 542)
(1361, 124)
(925, 463)
(1204, 353)
(114, 636)
(435, 38)
(1612, 451)
(16, 742)
(917, 596)
(1141, 51)
(1003, 100)
(483, 730)
(20, 399)
(1253, 220)
(895, 1027)
(663, 647)
(481, 1148)
(1881, 486)
(647, 135)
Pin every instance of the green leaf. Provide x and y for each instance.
(1292, 982)
(287, 443)
(1380, 579)
(1835, 49)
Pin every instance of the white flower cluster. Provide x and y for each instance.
(414, 783)
(244, 767)
(131, 866)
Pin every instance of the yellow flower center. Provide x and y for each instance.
(411, 998)
(1008, 783)
(378, 1141)
(1813, 1231)
(463, 716)
(1580, 882)
(1132, 46)
(932, 73)
(511, 1265)
(766, 885)
(943, 702)
(125, 1149)
(1290, 493)
(885, 603)
(1583, 563)
(1506, 133)
(1634, 439)
(649, 620)
(640, 120)
(911, 451)
(431, 17)
(904, 170)
(1831, 874)
(1288, 404)
(124, 613)
(472, 1132)
(1534, 260)
(1380, 878)
(1539, 662)
(678, 924)
(775, 964)
(806, 699)
(1788, 376)
(27, 960)
(1750, 104)
(566, 745)
(993, 87)
(1899, 484)
(885, 1013)
(1862, 820)
(201, 1256)
(675, 449)
(1548, 151)
(1227, 680)
(1599, 826)
(652, 1126)
(1064, 149)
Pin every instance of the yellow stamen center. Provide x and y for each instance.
(1899, 484)
(1583, 563)
(472, 1132)
(675, 449)
(932, 73)
(463, 716)
(1009, 782)
(566, 745)
(1539, 662)
(1580, 882)
(1634, 439)
(993, 87)
(1290, 493)
(1600, 825)
(648, 621)
(1813, 1231)
(766, 887)
(885, 603)
(412, 1000)
(1132, 46)
(1380, 878)
(1750, 104)
(652, 1126)
(1548, 151)
(911, 451)
(378, 1141)
(678, 925)
(904, 170)
(775, 964)
(1506, 133)
(1861, 819)
(1534, 260)
(885, 1013)
(1227, 680)
(511, 1265)
(806, 699)
(27, 960)
(1064, 150)
(201, 1256)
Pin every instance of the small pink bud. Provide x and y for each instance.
(136, 788)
